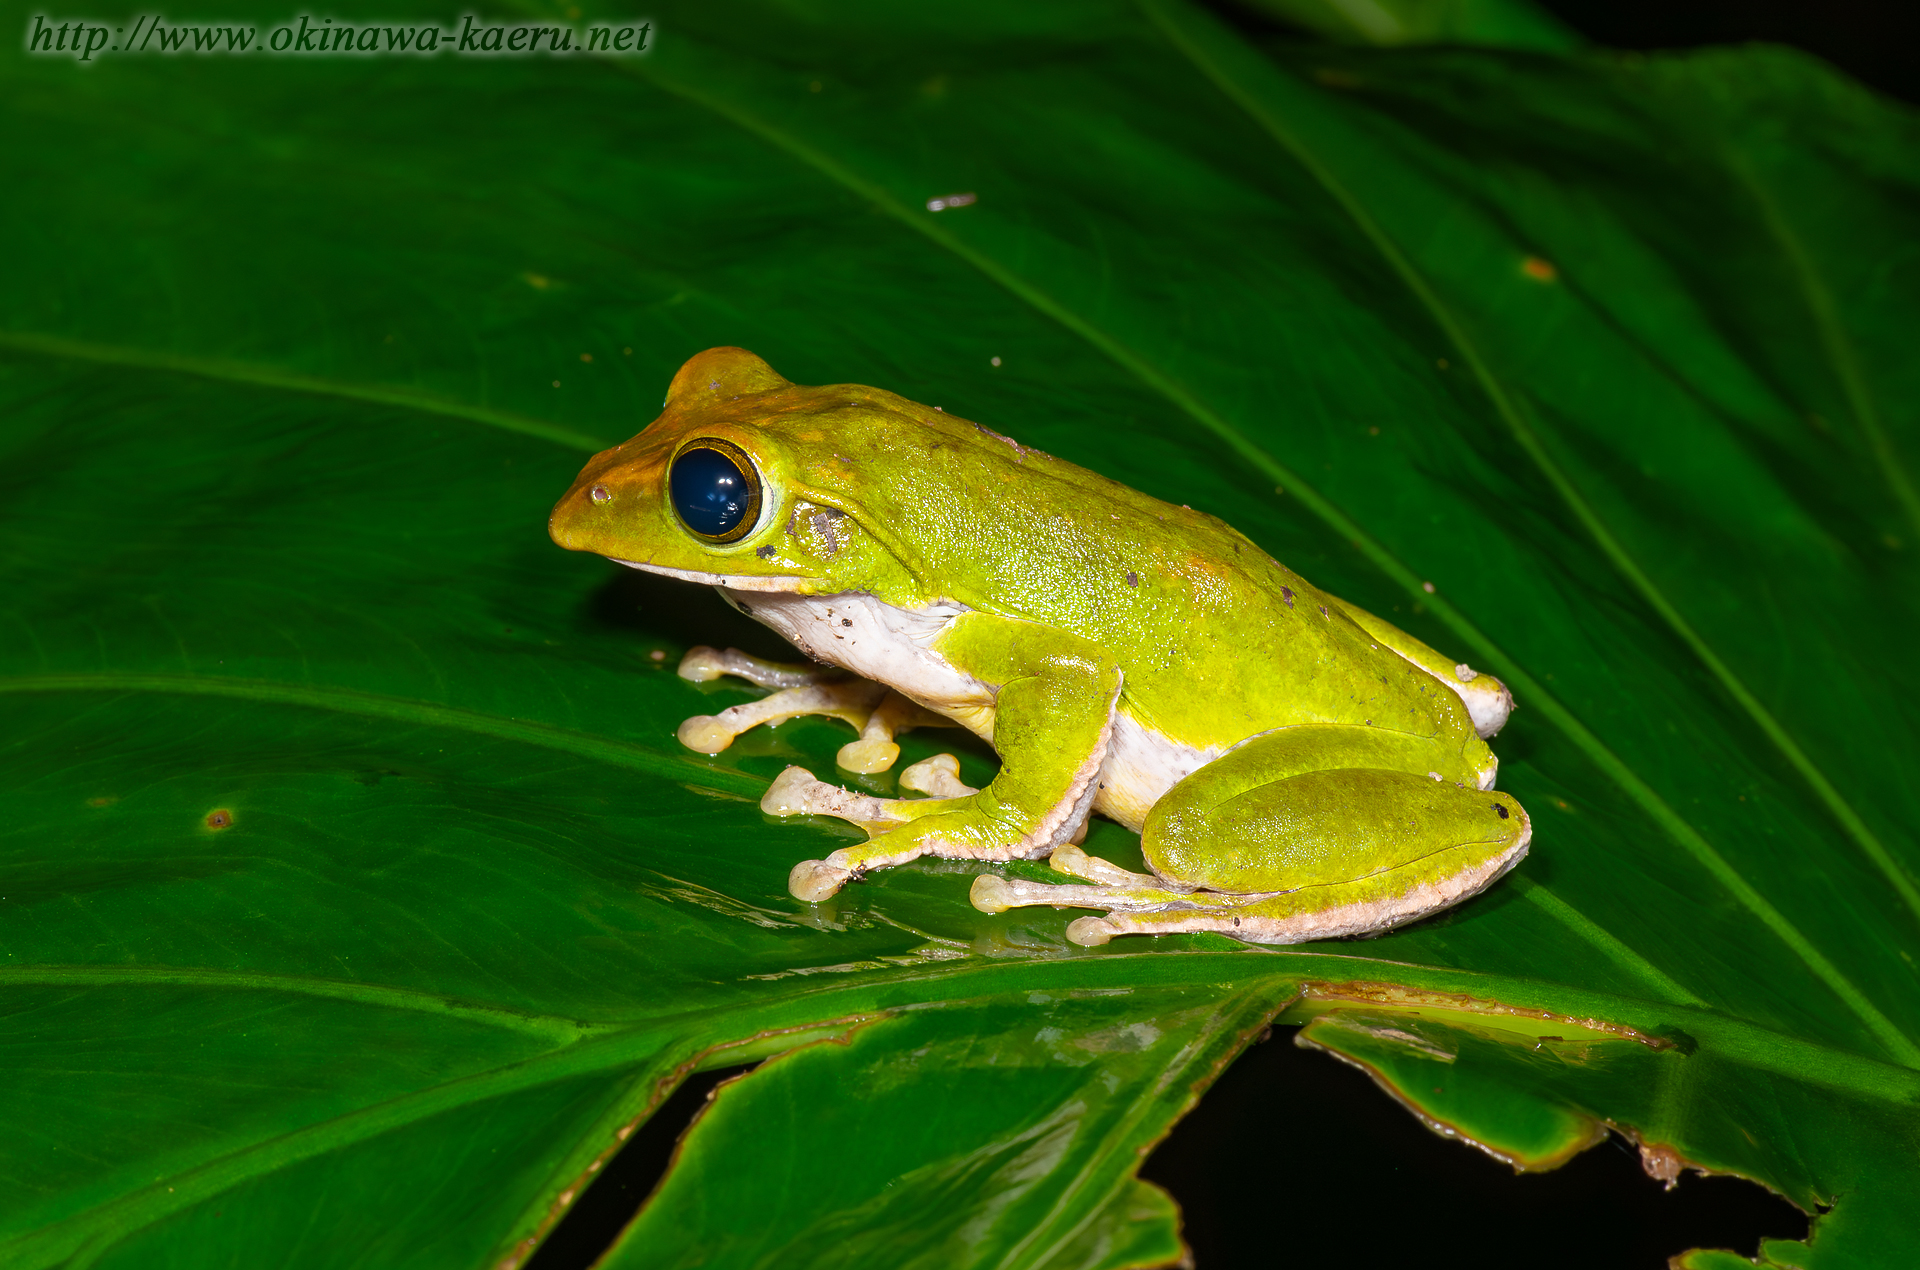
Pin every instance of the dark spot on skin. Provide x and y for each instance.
(846, 621)
(1133, 579)
(1236, 922)
(219, 819)
(743, 607)
(1286, 593)
(766, 552)
(823, 522)
(1501, 808)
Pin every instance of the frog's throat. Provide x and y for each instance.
(731, 582)
(878, 641)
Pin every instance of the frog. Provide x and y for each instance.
(1297, 768)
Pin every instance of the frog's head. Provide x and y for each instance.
(746, 481)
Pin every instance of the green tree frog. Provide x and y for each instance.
(1296, 768)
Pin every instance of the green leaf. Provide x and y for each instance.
(355, 899)
(1044, 1103)
(1515, 24)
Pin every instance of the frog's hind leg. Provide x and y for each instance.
(1135, 905)
(1378, 901)
(1487, 700)
(1071, 859)
(1113, 888)
(1256, 847)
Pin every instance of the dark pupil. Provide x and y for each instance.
(709, 491)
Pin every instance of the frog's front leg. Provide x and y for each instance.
(1264, 846)
(1051, 718)
(703, 664)
(876, 750)
(851, 699)
(803, 690)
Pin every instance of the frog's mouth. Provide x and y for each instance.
(732, 582)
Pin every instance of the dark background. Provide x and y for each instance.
(1875, 41)
(1294, 1159)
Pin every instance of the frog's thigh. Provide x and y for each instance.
(1252, 820)
(1326, 854)
(1306, 833)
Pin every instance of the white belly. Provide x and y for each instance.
(1142, 765)
(892, 646)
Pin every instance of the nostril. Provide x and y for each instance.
(600, 494)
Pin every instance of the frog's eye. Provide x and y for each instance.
(715, 490)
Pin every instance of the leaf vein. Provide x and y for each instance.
(404, 710)
(273, 377)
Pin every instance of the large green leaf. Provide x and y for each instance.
(357, 899)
